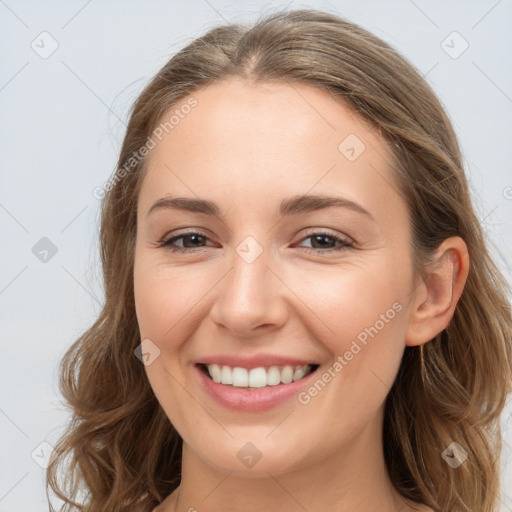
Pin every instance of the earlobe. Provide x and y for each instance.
(443, 284)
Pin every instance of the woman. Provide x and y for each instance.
(235, 368)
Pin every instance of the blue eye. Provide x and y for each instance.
(196, 237)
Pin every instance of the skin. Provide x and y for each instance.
(246, 147)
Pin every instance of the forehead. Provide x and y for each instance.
(269, 116)
(257, 143)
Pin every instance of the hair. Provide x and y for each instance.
(123, 450)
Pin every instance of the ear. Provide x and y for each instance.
(438, 293)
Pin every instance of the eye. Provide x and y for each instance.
(196, 238)
(321, 239)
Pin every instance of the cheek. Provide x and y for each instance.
(360, 302)
(365, 312)
(164, 299)
(151, 303)
(163, 302)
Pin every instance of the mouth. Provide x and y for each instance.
(256, 378)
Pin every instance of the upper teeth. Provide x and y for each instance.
(257, 377)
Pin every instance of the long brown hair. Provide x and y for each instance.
(121, 446)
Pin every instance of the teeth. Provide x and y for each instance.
(287, 375)
(226, 375)
(240, 377)
(273, 376)
(257, 377)
(215, 373)
(299, 373)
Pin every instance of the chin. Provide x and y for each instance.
(253, 459)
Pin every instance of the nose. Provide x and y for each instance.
(250, 298)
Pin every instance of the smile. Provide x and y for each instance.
(254, 389)
(260, 377)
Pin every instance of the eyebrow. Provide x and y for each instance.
(292, 206)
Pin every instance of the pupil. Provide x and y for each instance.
(195, 237)
(321, 237)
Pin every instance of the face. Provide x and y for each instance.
(271, 287)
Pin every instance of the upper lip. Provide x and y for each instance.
(255, 361)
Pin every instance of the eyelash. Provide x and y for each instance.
(167, 244)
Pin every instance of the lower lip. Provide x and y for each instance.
(251, 400)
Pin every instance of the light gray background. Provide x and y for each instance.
(62, 122)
